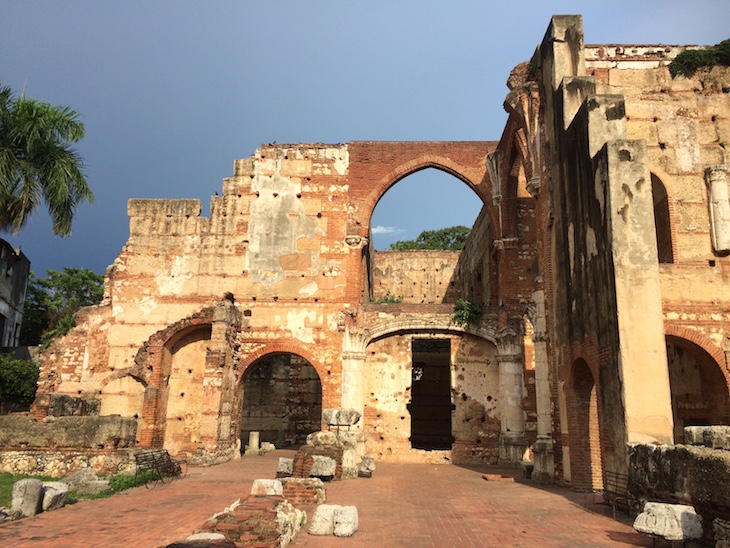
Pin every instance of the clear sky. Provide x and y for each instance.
(172, 92)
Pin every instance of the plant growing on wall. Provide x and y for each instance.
(690, 60)
(387, 298)
(466, 313)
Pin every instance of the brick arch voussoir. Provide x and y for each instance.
(393, 327)
(143, 368)
(279, 348)
(468, 175)
(703, 342)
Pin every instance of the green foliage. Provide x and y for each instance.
(37, 162)
(466, 313)
(687, 62)
(51, 303)
(18, 382)
(122, 482)
(452, 238)
(387, 298)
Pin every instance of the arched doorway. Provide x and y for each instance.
(185, 391)
(282, 400)
(585, 438)
(699, 389)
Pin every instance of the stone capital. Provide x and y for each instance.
(509, 358)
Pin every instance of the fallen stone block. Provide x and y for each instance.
(54, 495)
(27, 497)
(304, 490)
(323, 467)
(367, 466)
(346, 521)
(321, 438)
(669, 521)
(263, 487)
(323, 520)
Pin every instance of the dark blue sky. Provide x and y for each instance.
(172, 92)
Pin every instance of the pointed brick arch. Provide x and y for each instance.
(376, 166)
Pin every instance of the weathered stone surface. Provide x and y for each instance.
(304, 490)
(86, 481)
(289, 521)
(348, 440)
(266, 487)
(27, 497)
(205, 536)
(323, 520)
(721, 530)
(322, 438)
(349, 464)
(19, 431)
(367, 464)
(284, 469)
(323, 467)
(346, 521)
(670, 521)
(716, 437)
(54, 495)
(694, 435)
(341, 417)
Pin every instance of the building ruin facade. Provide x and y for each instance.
(599, 261)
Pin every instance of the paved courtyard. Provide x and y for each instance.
(400, 506)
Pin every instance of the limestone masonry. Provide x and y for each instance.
(599, 260)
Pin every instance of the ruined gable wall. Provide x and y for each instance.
(474, 394)
(418, 276)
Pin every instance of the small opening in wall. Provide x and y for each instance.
(179, 418)
(276, 298)
(319, 214)
(662, 146)
(247, 313)
(253, 299)
(182, 394)
(276, 194)
(714, 118)
(190, 371)
(711, 262)
(299, 195)
(316, 300)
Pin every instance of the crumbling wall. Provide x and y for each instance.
(475, 419)
(417, 276)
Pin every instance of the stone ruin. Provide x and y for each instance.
(597, 262)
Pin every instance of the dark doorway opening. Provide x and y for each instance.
(431, 406)
(282, 400)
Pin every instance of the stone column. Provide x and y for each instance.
(716, 179)
(510, 356)
(353, 383)
(544, 465)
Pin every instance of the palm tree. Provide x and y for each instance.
(37, 162)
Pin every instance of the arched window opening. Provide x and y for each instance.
(585, 435)
(662, 221)
(416, 239)
(282, 400)
(699, 389)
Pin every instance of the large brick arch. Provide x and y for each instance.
(702, 341)
(376, 166)
(245, 363)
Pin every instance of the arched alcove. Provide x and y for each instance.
(584, 427)
(662, 221)
(282, 400)
(699, 389)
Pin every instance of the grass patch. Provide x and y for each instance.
(117, 482)
(7, 481)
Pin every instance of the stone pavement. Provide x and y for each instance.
(400, 506)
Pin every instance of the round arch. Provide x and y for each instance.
(245, 363)
(280, 398)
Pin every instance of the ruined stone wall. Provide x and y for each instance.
(685, 124)
(474, 389)
(417, 276)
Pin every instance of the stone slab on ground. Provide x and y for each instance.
(54, 495)
(323, 520)
(346, 521)
(669, 521)
(266, 487)
(27, 497)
